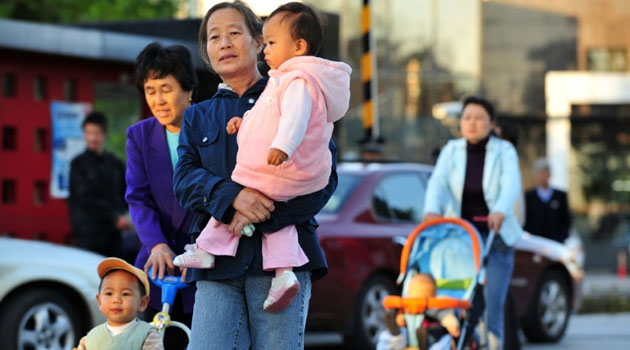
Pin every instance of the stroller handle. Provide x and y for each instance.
(419, 305)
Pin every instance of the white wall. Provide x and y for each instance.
(562, 89)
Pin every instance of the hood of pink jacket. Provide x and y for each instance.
(332, 78)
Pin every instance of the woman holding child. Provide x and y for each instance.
(477, 178)
(229, 312)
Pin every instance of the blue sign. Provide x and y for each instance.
(67, 142)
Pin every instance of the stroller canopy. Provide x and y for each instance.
(449, 249)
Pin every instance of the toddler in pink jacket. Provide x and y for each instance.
(283, 142)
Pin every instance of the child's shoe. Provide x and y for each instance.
(194, 257)
(283, 290)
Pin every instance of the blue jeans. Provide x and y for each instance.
(229, 314)
(498, 275)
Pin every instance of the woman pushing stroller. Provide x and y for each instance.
(477, 177)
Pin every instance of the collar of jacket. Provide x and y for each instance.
(255, 89)
(491, 145)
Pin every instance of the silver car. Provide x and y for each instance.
(47, 295)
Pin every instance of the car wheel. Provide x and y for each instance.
(368, 317)
(39, 319)
(548, 318)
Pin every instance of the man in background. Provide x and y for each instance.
(546, 208)
(97, 193)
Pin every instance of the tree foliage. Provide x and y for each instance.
(77, 11)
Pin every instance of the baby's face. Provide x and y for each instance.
(119, 298)
(421, 287)
(279, 45)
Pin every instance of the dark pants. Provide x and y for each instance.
(174, 338)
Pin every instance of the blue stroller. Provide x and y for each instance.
(450, 250)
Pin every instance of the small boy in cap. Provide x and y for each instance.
(122, 294)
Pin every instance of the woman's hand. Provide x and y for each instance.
(430, 216)
(161, 259)
(238, 222)
(495, 220)
(255, 206)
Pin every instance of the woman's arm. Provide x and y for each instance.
(509, 181)
(142, 206)
(303, 208)
(437, 187)
(143, 211)
(510, 187)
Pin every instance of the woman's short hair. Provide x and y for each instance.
(306, 23)
(156, 62)
(478, 100)
(254, 24)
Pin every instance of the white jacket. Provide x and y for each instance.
(501, 183)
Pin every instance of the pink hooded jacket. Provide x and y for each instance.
(308, 169)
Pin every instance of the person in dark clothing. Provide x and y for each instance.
(97, 193)
(546, 208)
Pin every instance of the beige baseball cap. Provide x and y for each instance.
(110, 264)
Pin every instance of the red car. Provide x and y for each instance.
(362, 230)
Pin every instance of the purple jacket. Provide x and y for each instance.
(156, 214)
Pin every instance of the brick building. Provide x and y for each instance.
(41, 63)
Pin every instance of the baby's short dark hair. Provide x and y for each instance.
(306, 23)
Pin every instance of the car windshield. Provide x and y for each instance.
(345, 186)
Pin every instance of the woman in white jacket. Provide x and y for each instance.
(477, 178)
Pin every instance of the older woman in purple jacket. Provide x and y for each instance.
(166, 77)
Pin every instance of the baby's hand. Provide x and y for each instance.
(233, 125)
(451, 323)
(276, 157)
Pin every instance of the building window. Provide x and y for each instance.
(606, 59)
(70, 90)
(9, 86)
(41, 140)
(40, 193)
(40, 91)
(9, 138)
(9, 191)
